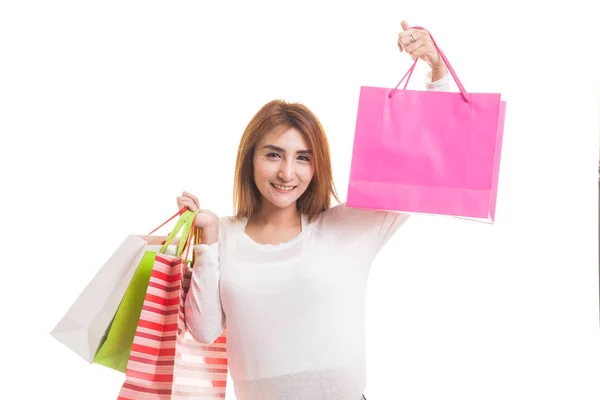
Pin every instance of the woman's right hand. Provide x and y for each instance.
(205, 219)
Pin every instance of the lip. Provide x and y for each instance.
(282, 191)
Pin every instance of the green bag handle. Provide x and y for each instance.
(184, 224)
(187, 227)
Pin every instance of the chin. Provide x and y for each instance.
(282, 204)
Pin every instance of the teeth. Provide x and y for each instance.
(283, 187)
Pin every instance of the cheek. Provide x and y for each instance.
(306, 175)
(256, 169)
(262, 169)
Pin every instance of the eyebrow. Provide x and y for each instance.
(276, 148)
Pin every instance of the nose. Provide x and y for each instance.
(287, 170)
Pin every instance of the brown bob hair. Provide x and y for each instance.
(278, 115)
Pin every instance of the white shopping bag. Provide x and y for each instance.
(85, 323)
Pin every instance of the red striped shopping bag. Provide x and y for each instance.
(165, 361)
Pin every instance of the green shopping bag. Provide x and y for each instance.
(114, 351)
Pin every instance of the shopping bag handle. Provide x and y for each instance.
(185, 227)
(184, 224)
(408, 74)
(179, 213)
(192, 239)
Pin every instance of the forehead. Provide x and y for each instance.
(286, 138)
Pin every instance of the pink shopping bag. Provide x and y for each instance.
(427, 151)
(166, 362)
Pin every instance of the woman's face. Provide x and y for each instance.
(283, 167)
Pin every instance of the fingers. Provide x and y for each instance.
(419, 52)
(417, 49)
(410, 36)
(414, 49)
(187, 202)
(405, 27)
(194, 198)
(183, 202)
(416, 42)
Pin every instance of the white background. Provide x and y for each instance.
(108, 110)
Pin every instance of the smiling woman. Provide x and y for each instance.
(288, 271)
(282, 170)
(284, 144)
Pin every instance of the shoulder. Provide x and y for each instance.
(228, 226)
(349, 220)
(348, 216)
(345, 220)
(339, 214)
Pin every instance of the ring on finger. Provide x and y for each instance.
(412, 38)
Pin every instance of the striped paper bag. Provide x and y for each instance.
(165, 361)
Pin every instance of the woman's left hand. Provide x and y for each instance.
(418, 44)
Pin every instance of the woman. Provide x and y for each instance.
(288, 273)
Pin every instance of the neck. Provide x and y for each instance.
(269, 215)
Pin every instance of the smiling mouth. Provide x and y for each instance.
(283, 188)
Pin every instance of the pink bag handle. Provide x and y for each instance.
(463, 92)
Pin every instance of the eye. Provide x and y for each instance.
(304, 158)
(273, 155)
